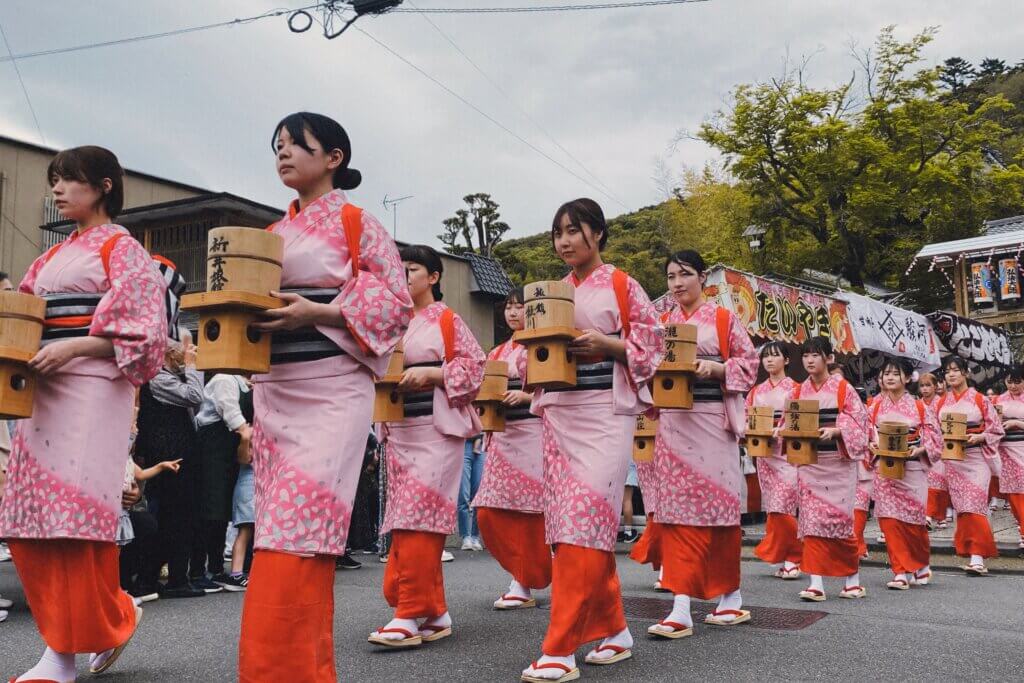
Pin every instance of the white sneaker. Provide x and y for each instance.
(5, 603)
(446, 556)
(5, 553)
(467, 543)
(880, 538)
(3, 615)
(477, 545)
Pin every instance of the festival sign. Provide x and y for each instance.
(772, 310)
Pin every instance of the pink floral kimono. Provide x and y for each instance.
(588, 443)
(513, 476)
(1011, 448)
(424, 454)
(313, 410)
(67, 462)
(905, 499)
(779, 490)
(697, 457)
(969, 479)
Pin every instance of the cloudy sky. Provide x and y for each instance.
(611, 87)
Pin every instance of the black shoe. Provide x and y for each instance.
(630, 536)
(620, 537)
(219, 578)
(235, 584)
(346, 562)
(185, 591)
(144, 593)
(206, 585)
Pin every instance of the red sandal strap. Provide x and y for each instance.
(617, 649)
(551, 665)
(724, 612)
(813, 591)
(676, 626)
(853, 588)
(396, 629)
(517, 598)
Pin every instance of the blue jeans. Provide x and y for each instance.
(472, 471)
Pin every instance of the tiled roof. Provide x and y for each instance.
(490, 277)
(1003, 225)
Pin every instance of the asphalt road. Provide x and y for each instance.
(957, 628)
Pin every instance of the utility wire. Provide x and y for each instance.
(515, 104)
(282, 12)
(28, 99)
(487, 116)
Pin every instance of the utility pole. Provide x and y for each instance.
(392, 205)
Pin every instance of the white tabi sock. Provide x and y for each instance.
(516, 588)
(977, 559)
(730, 601)
(409, 625)
(53, 665)
(817, 583)
(789, 566)
(623, 639)
(680, 614)
(852, 580)
(443, 621)
(553, 673)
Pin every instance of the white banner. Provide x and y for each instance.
(891, 330)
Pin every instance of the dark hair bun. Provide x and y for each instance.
(347, 178)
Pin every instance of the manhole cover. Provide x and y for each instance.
(773, 618)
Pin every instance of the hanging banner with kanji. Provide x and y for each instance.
(893, 331)
(772, 310)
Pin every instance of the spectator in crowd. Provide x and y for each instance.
(243, 504)
(223, 423)
(472, 471)
(5, 282)
(628, 534)
(166, 432)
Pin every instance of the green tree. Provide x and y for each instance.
(991, 67)
(955, 73)
(868, 173)
(477, 228)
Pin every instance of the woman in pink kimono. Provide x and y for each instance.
(940, 508)
(779, 490)
(444, 368)
(969, 478)
(1011, 448)
(900, 503)
(828, 488)
(105, 334)
(346, 307)
(588, 442)
(697, 459)
(510, 502)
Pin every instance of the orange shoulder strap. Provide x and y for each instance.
(107, 249)
(722, 322)
(447, 323)
(877, 407)
(352, 221)
(979, 400)
(620, 283)
(920, 411)
(796, 392)
(841, 395)
(51, 251)
(941, 402)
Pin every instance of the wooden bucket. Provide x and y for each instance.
(643, 439)
(760, 426)
(388, 404)
(227, 341)
(954, 436)
(673, 389)
(893, 449)
(549, 303)
(243, 260)
(21, 329)
(800, 435)
(680, 349)
(488, 402)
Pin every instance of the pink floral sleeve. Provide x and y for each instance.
(28, 283)
(376, 304)
(994, 431)
(132, 313)
(644, 343)
(931, 435)
(853, 424)
(465, 373)
(741, 367)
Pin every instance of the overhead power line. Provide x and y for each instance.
(320, 5)
(24, 90)
(487, 116)
(511, 100)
